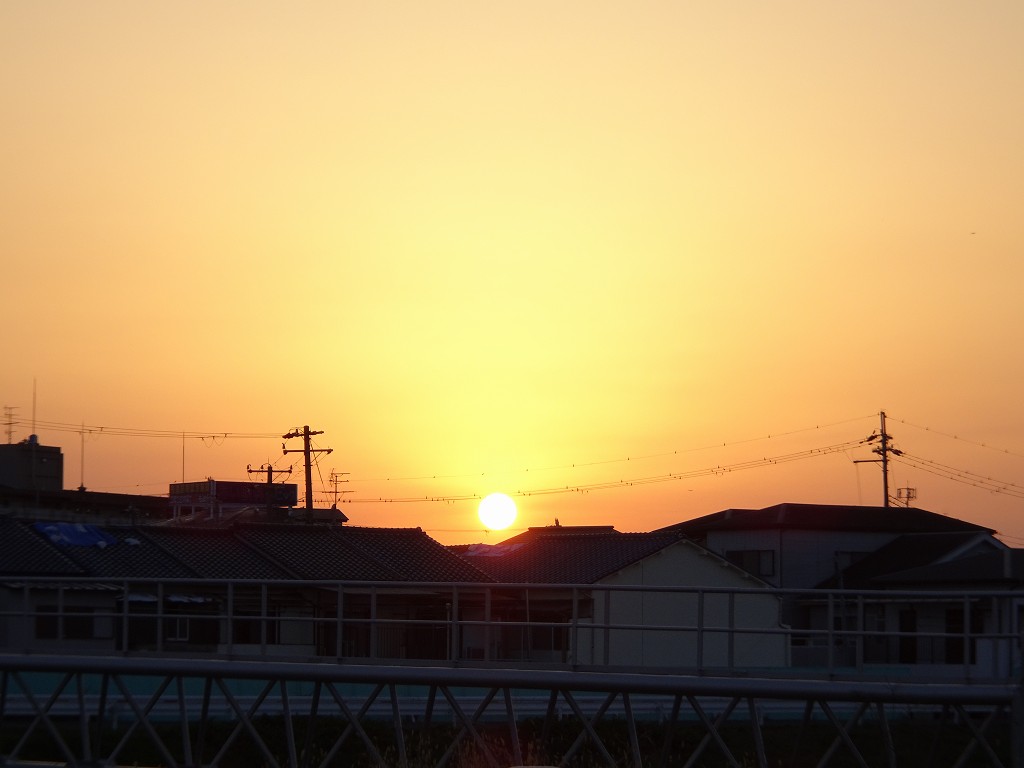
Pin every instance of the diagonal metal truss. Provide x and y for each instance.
(191, 713)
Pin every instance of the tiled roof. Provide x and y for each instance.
(911, 550)
(313, 552)
(131, 556)
(212, 553)
(825, 517)
(563, 555)
(23, 552)
(351, 553)
(265, 551)
(411, 554)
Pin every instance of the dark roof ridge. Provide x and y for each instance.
(162, 548)
(794, 515)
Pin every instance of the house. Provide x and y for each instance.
(232, 587)
(931, 589)
(800, 546)
(653, 601)
(826, 549)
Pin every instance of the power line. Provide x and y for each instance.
(965, 477)
(627, 459)
(624, 483)
(958, 438)
(214, 435)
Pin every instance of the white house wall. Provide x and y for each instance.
(653, 642)
(803, 558)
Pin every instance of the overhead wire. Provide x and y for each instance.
(625, 483)
(951, 436)
(954, 474)
(56, 426)
(627, 459)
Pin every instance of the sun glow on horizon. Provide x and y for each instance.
(497, 511)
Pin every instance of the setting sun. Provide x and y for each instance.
(497, 511)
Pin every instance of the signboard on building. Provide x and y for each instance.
(232, 492)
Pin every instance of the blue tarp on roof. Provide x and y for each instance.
(75, 534)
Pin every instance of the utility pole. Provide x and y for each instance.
(9, 419)
(883, 450)
(269, 469)
(336, 481)
(307, 452)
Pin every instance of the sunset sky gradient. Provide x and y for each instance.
(518, 247)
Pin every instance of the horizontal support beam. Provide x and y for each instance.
(764, 687)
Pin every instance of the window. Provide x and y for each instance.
(77, 624)
(46, 622)
(176, 629)
(759, 562)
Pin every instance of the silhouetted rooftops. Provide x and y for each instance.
(246, 550)
(564, 554)
(825, 517)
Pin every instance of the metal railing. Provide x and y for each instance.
(970, 635)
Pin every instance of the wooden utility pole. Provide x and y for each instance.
(307, 452)
(269, 469)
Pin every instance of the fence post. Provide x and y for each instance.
(160, 618)
(862, 633)
(456, 641)
(573, 641)
(340, 619)
(732, 630)
(830, 630)
(487, 623)
(700, 629)
(1017, 721)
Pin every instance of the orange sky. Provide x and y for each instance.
(491, 241)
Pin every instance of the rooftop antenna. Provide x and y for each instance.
(906, 495)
